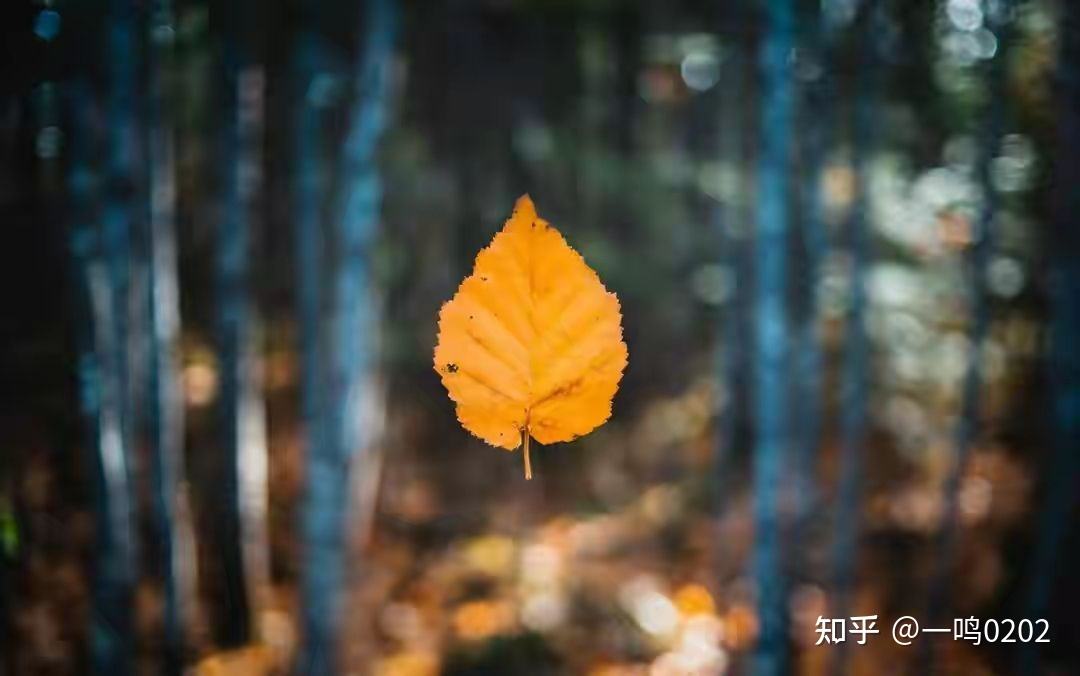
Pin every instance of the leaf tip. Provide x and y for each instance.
(524, 207)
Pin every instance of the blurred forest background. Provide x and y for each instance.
(843, 232)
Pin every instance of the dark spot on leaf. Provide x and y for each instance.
(452, 368)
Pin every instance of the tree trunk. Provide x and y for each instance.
(108, 357)
(770, 357)
(310, 159)
(172, 535)
(854, 388)
(350, 343)
(100, 393)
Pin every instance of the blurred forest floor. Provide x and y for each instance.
(464, 568)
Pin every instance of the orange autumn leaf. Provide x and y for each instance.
(531, 344)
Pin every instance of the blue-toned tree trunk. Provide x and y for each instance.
(241, 511)
(171, 539)
(310, 192)
(770, 353)
(350, 343)
(124, 218)
(109, 380)
(854, 387)
(1061, 473)
(121, 190)
(100, 396)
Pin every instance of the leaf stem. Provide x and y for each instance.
(528, 466)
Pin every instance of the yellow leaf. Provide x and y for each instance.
(531, 344)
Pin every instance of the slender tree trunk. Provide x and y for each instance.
(241, 521)
(114, 568)
(1062, 469)
(855, 376)
(310, 192)
(107, 365)
(770, 357)
(172, 536)
(100, 393)
(120, 205)
(351, 346)
(311, 174)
